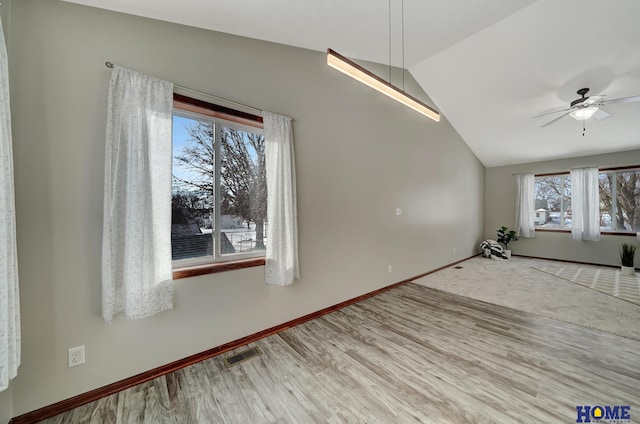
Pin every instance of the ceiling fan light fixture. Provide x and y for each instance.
(584, 113)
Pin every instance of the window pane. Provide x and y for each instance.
(566, 201)
(243, 191)
(192, 202)
(606, 201)
(553, 202)
(627, 214)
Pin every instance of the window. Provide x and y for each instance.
(219, 194)
(619, 200)
(553, 201)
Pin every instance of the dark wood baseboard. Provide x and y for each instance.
(569, 261)
(93, 395)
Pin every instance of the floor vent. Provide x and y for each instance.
(458, 267)
(242, 356)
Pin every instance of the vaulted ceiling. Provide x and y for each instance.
(488, 65)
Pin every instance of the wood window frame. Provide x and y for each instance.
(202, 107)
(608, 169)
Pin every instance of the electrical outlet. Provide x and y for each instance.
(454, 250)
(76, 356)
(398, 211)
(389, 269)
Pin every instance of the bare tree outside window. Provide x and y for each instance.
(234, 168)
(619, 201)
(553, 195)
(243, 179)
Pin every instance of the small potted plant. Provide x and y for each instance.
(505, 236)
(627, 256)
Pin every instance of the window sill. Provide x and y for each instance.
(568, 230)
(618, 233)
(213, 268)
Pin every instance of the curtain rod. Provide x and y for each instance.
(110, 66)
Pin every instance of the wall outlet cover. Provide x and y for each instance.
(76, 356)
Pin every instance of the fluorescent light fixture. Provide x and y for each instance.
(584, 113)
(357, 72)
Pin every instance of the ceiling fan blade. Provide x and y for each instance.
(593, 99)
(600, 114)
(550, 113)
(623, 100)
(555, 119)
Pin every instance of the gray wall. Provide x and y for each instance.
(500, 210)
(359, 156)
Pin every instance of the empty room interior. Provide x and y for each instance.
(279, 211)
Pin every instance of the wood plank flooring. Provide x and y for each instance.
(411, 354)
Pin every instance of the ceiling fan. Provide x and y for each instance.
(587, 107)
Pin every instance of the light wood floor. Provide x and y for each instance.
(412, 354)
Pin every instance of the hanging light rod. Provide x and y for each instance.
(357, 72)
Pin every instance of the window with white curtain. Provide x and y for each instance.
(585, 220)
(10, 335)
(136, 245)
(525, 209)
(219, 195)
(619, 191)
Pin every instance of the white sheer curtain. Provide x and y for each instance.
(525, 205)
(585, 204)
(9, 294)
(282, 228)
(136, 243)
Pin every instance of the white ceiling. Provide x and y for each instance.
(488, 65)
